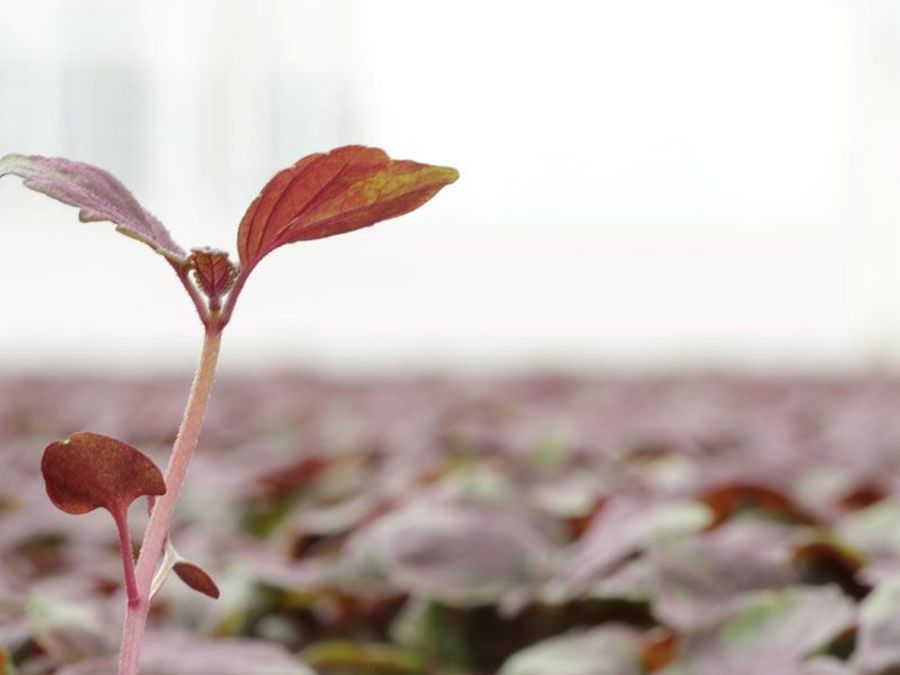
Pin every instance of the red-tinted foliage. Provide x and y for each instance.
(359, 521)
(327, 194)
(88, 471)
(196, 577)
(214, 272)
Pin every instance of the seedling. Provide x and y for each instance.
(319, 196)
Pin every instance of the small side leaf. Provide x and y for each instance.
(327, 194)
(196, 577)
(88, 471)
(98, 194)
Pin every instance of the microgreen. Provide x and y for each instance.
(319, 196)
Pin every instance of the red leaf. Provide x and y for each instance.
(729, 499)
(88, 471)
(327, 194)
(196, 577)
(214, 272)
(98, 194)
(658, 649)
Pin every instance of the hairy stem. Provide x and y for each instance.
(164, 507)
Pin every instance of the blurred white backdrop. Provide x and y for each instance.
(645, 184)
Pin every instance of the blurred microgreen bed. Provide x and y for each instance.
(514, 526)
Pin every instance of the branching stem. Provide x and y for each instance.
(164, 507)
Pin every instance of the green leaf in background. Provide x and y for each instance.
(6, 666)
(877, 646)
(769, 632)
(608, 650)
(362, 658)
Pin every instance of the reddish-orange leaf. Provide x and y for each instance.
(88, 471)
(863, 495)
(196, 577)
(214, 272)
(327, 194)
(658, 649)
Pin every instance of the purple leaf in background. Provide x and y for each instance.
(97, 194)
(626, 526)
(770, 632)
(459, 554)
(699, 578)
(72, 628)
(826, 666)
(173, 653)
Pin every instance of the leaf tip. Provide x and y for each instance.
(12, 163)
(450, 174)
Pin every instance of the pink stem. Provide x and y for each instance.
(120, 515)
(161, 517)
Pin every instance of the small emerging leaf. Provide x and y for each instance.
(88, 471)
(98, 194)
(214, 272)
(196, 577)
(327, 194)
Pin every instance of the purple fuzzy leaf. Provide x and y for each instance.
(97, 194)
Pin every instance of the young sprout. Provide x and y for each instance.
(321, 195)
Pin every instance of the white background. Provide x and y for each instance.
(645, 184)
